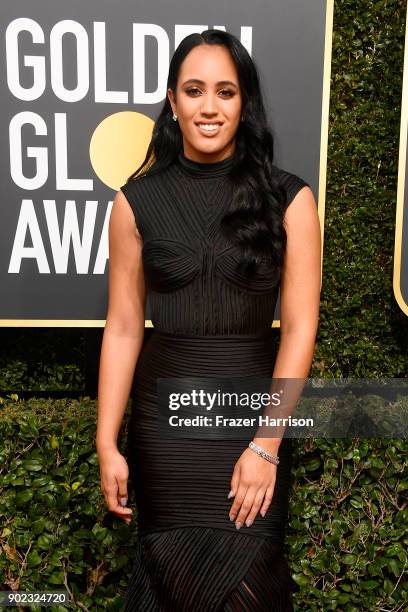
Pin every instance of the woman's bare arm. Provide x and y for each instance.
(124, 329)
(300, 288)
(299, 297)
(253, 479)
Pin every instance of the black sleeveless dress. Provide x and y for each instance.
(208, 321)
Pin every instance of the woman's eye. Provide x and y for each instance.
(192, 90)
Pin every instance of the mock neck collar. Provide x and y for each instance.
(205, 169)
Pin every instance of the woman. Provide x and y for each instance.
(200, 228)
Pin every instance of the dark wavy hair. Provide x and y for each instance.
(255, 220)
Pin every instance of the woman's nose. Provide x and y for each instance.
(209, 104)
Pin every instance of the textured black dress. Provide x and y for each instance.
(209, 322)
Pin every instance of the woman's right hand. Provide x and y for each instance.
(114, 473)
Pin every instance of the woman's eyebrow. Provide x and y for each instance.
(203, 83)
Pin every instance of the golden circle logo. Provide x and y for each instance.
(118, 146)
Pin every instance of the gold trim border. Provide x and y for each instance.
(324, 131)
(58, 323)
(401, 181)
(328, 43)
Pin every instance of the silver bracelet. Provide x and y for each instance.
(263, 453)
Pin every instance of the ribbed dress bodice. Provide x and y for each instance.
(190, 268)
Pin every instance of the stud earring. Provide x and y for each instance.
(174, 117)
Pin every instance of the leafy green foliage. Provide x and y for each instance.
(55, 528)
(41, 359)
(362, 331)
(348, 537)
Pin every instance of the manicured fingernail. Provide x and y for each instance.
(248, 523)
(123, 501)
(230, 494)
(231, 518)
(263, 512)
(238, 525)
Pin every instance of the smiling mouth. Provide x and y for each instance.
(209, 128)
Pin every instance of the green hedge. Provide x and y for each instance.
(55, 526)
(363, 331)
(42, 359)
(347, 538)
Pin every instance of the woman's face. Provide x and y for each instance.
(207, 93)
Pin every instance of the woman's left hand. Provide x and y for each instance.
(252, 484)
